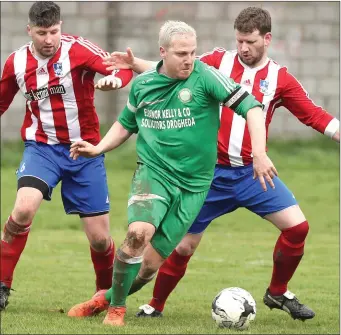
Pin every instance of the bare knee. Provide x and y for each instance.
(188, 244)
(99, 243)
(26, 205)
(97, 230)
(138, 236)
(23, 213)
(136, 240)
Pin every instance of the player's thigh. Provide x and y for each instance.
(149, 197)
(84, 186)
(267, 202)
(286, 218)
(184, 208)
(39, 169)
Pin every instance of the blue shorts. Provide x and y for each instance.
(84, 186)
(234, 187)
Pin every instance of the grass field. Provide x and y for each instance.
(55, 270)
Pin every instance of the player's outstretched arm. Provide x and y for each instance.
(262, 165)
(116, 135)
(127, 60)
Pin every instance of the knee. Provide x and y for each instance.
(136, 239)
(23, 213)
(298, 233)
(99, 243)
(188, 245)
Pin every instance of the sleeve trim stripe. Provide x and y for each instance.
(211, 52)
(91, 48)
(228, 87)
(92, 45)
(332, 127)
(131, 107)
(223, 78)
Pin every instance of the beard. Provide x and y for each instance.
(48, 52)
(251, 61)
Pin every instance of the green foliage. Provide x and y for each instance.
(55, 270)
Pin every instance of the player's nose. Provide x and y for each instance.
(244, 47)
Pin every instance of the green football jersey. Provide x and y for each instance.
(177, 122)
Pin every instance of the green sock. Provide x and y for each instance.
(125, 271)
(108, 295)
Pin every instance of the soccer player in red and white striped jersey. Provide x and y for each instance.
(233, 185)
(55, 73)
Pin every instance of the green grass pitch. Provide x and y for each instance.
(55, 270)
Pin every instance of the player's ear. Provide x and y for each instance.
(28, 28)
(162, 52)
(267, 39)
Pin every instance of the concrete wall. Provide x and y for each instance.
(306, 38)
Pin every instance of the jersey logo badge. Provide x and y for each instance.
(247, 82)
(264, 86)
(58, 69)
(42, 71)
(185, 95)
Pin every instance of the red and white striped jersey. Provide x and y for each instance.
(59, 90)
(273, 86)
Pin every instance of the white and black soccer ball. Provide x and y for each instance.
(233, 307)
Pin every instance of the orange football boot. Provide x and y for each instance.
(115, 316)
(92, 307)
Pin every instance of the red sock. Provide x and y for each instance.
(103, 266)
(170, 273)
(12, 245)
(287, 255)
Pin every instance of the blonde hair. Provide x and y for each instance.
(171, 28)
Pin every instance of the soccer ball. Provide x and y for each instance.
(233, 307)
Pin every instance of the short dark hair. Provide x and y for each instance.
(44, 14)
(253, 18)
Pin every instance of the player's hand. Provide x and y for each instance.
(263, 169)
(83, 148)
(120, 60)
(108, 83)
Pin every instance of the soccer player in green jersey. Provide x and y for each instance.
(175, 111)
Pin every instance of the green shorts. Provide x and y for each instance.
(170, 209)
